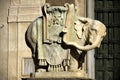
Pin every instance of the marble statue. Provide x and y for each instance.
(59, 38)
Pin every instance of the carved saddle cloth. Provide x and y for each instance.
(50, 45)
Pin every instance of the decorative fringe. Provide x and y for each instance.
(42, 62)
(60, 67)
(55, 68)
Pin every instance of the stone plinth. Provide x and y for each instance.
(58, 79)
(59, 75)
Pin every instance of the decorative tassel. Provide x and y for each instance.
(42, 62)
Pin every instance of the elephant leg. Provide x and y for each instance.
(73, 64)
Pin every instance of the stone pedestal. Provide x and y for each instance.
(59, 75)
(58, 79)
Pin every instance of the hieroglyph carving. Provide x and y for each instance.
(59, 38)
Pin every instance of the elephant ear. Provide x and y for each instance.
(97, 31)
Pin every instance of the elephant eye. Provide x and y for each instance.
(82, 29)
(75, 23)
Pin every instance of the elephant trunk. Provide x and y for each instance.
(89, 47)
(86, 47)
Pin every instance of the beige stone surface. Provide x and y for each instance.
(21, 13)
(24, 13)
(27, 10)
(15, 2)
(13, 49)
(81, 7)
(13, 10)
(12, 18)
(59, 75)
(4, 39)
(23, 49)
(26, 18)
(32, 2)
(27, 2)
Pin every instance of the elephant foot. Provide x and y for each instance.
(73, 70)
(41, 70)
(55, 68)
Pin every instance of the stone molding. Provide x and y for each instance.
(24, 13)
(27, 2)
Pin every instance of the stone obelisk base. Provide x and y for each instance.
(57, 79)
(58, 76)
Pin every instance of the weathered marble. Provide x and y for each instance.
(60, 39)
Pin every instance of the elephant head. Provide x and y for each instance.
(79, 30)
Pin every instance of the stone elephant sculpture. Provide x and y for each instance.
(79, 34)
